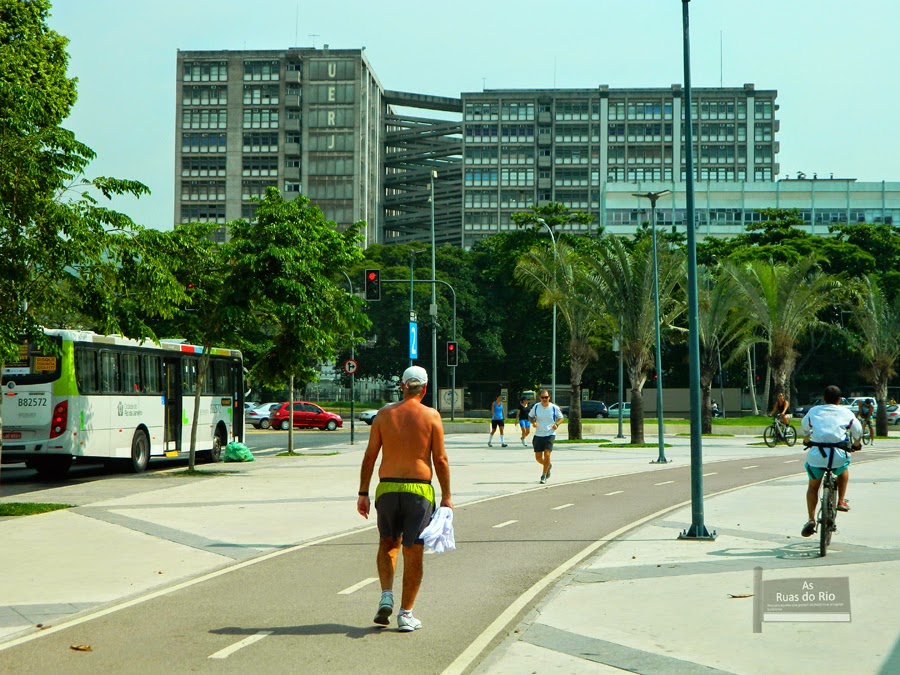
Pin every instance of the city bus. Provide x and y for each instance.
(117, 400)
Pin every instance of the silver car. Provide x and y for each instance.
(258, 417)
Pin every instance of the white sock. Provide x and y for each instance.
(387, 595)
(501, 439)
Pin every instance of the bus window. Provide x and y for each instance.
(189, 376)
(86, 371)
(109, 373)
(150, 374)
(220, 379)
(131, 374)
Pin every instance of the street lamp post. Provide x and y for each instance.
(621, 377)
(432, 310)
(553, 352)
(352, 376)
(697, 529)
(653, 196)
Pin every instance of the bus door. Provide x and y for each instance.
(173, 404)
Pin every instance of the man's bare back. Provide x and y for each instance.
(408, 434)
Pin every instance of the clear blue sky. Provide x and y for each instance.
(833, 62)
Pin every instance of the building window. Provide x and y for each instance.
(203, 213)
(260, 165)
(266, 94)
(204, 119)
(485, 155)
(331, 92)
(481, 199)
(516, 133)
(330, 188)
(762, 173)
(291, 186)
(762, 131)
(331, 166)
(516, 199)
(198, 95)
(261, 142)
(330, 69)
(204, 71)
(762, 110)
(517, 154)
(481, 133)
(572, 133)
(256, 189)
(203, 166)
(571, 177)
(332, 117)
(576, 154)
(203, 142)
(482, 111)
(572, 110)
(762, 154)
(481, 177)
(331, 141)
(261, 70)
(202, 191)
(512, 110)
(260, 118)
(517, 177)
(616, 133)
(574, 199)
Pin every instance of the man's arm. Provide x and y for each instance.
(363, 503)
(439, 459)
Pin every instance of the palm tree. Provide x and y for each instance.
(561, 279)
(782, 302)
(622, 279)
(878, 320)
(722, 327)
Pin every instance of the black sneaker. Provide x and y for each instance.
(505, 445)
(809, 529)
(543, 478)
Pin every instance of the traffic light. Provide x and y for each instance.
(373, 284)
(452, 354)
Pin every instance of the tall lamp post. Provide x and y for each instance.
(653, 196)
(621, 376)
(352, 375)
(697, 529)
(553, 353)
(432, 310)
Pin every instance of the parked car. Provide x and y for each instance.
(259, 417)
(306, 416)
(893, 414)
(626, 410)
(590, 409)
(800, 411)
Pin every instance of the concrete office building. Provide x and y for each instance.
(302, 120)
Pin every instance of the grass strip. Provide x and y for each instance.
(29, 508)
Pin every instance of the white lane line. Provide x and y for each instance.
(508, 522)
(356, 587)
(564, 506)
(665, 482)
(249, 640)
(617, 492)
(711, 473)
(752, 466)
(791, 461)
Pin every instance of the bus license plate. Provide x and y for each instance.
(12, 435)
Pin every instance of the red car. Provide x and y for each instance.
(306, 416)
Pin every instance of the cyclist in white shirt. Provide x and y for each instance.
(829, 429)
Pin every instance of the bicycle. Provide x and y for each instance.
(779, 431)
(867, 436)
(827, 515)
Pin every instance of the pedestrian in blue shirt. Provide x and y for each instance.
(497, 421)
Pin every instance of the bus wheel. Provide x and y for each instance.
(140, 452)
(51, 468)
(215, 455)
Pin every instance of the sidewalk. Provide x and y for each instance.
(132, 534)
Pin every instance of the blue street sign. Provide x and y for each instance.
(413, 340)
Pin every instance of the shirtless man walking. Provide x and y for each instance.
(411, 436)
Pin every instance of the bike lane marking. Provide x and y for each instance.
(249, 640)
(617, 492)
(665, 482)
(564, 506)
(508, 522)
(356, 587)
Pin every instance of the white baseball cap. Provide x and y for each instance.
(414, 375)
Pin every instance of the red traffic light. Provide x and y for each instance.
(372, 276)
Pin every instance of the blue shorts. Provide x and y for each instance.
(816, 472)
(525, 424)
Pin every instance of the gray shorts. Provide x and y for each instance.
(402, 513)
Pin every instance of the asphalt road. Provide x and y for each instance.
(309, 608)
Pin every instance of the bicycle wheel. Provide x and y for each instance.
(824, 521)
(867, 435)
(770, 436)
(790, 435)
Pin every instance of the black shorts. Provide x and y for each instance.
(542, 443)
(497, 423)
(403, 513)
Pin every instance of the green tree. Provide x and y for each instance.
(623, 291)
(783, 302)
(561, 278)
(60, 247)
(878, 321)
(284, 268)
